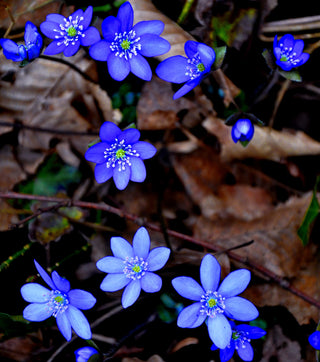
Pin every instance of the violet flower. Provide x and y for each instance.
(314, 340)
(83, 354)
(242, 131)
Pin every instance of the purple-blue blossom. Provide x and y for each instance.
(289, 52)
(69, 33)
(132, 267)
(61, 302)
(84, 353)
(242, 131)
(124, 46)
(189, 70)
(19, 52)
(214, 303)
(314, 340)
(242, 335)
(120, 155)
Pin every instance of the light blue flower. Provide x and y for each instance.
(83, 354)
(132, 267)
(190, 70)
(61, 302)
(314, 340)
(242, 131)
(214, 304)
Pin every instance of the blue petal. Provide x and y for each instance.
(30, 33)
(148, 27)
(87, 16)
(287, 66)
(188, 288)
(252, 331)
(121, 178)
(35, 293)
(61, 283)
(71, 49)
(50, 29)
(240, 309)
(56, 18)
(37, 312)
(79, 322)
(84, 353)
(131, 293)
(303, 58)
(210, 273)
(207, 56)
(81, 299)
(219, 330)
(245, 351)
(144, 149)
(314, 339)
(44, 275)
(151, 283)
(140, 67)
(110, 264)
(114, 282)
(130, 135)
(153, 45)
(298, 48)
(173, 69)
(190, 317)
(118, 67)
(138, 170)
(96, 152)
(157, 258)
(64, 326)
(53, 48)
(109, 132)
(100, 51)
(235, 283)
(227, 353)
(125, 16)
(102, 173)
(141, 243)
(287, 41)
(77, 14)
(109, 27)
(277, 53)
(191, 48)
(187, 87)
(275, 42)
(91, 36)
(11, 50)
(121, 248)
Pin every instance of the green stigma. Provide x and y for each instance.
(72, 31)
(201, 67)
(283, 58)
(212, 302)
(59, 299)
(136, 268)
(120, 154)
(125, 45)
(235, 335)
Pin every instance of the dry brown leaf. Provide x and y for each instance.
(20, 348)
(185, 342)
(266, 143)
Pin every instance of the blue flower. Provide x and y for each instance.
(288, 52)
(192, 70)
(132, 267)
(124, 46)
(119, 155)
(69, 33)
(83, 354)
(314, 340)
(60, 302)
(242, 131)
(29, 51)
(240, 341)
(214, 304)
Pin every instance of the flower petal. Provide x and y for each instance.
(298, 47)
(240, 309)
(153, 45)
(151, 283)
(235, 283)
(114, 282)
(71, 49)
(253, 332)
(109, 132)
(140, 67)
(31, 33)
(125, 16)
(121, 178)
(157, 258)
(314, 339)
(100, 51)
(245, 352)
(130, 135)
(121, 248)
(109, 27)
(56, 18)
(55, 47)
(61, 283)
(50, 29)
(35, 293)
(83, 354)
(210, 273)
(87, 16)
(95, 153)
(81, 299)
(148, 27)
(102, 173)
(227, 353)
(110, 264)
(44, 275)
(11, 50)
(37, 312)
(219, 330)
(173, 69)
(303, 58)
(131, 293)
(64, 326)
(118, 67)
(138, 170)
(190, 317)
(91, 36)
(207, 56)
(145, 149)
(188, 288)
(141, 243)
(191, 48)
(187, 87)
(287, 40)
(79, 322)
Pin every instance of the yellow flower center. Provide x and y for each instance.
(201, 67)
(125, 45)
(120, 153)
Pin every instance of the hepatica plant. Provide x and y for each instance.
(189, 70)
(214, 303)
(61, 302)
(242, 131)
(69, 33)
(120, 155)
(132, 267)
(124, 46)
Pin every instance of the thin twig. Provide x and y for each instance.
(284, 87)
